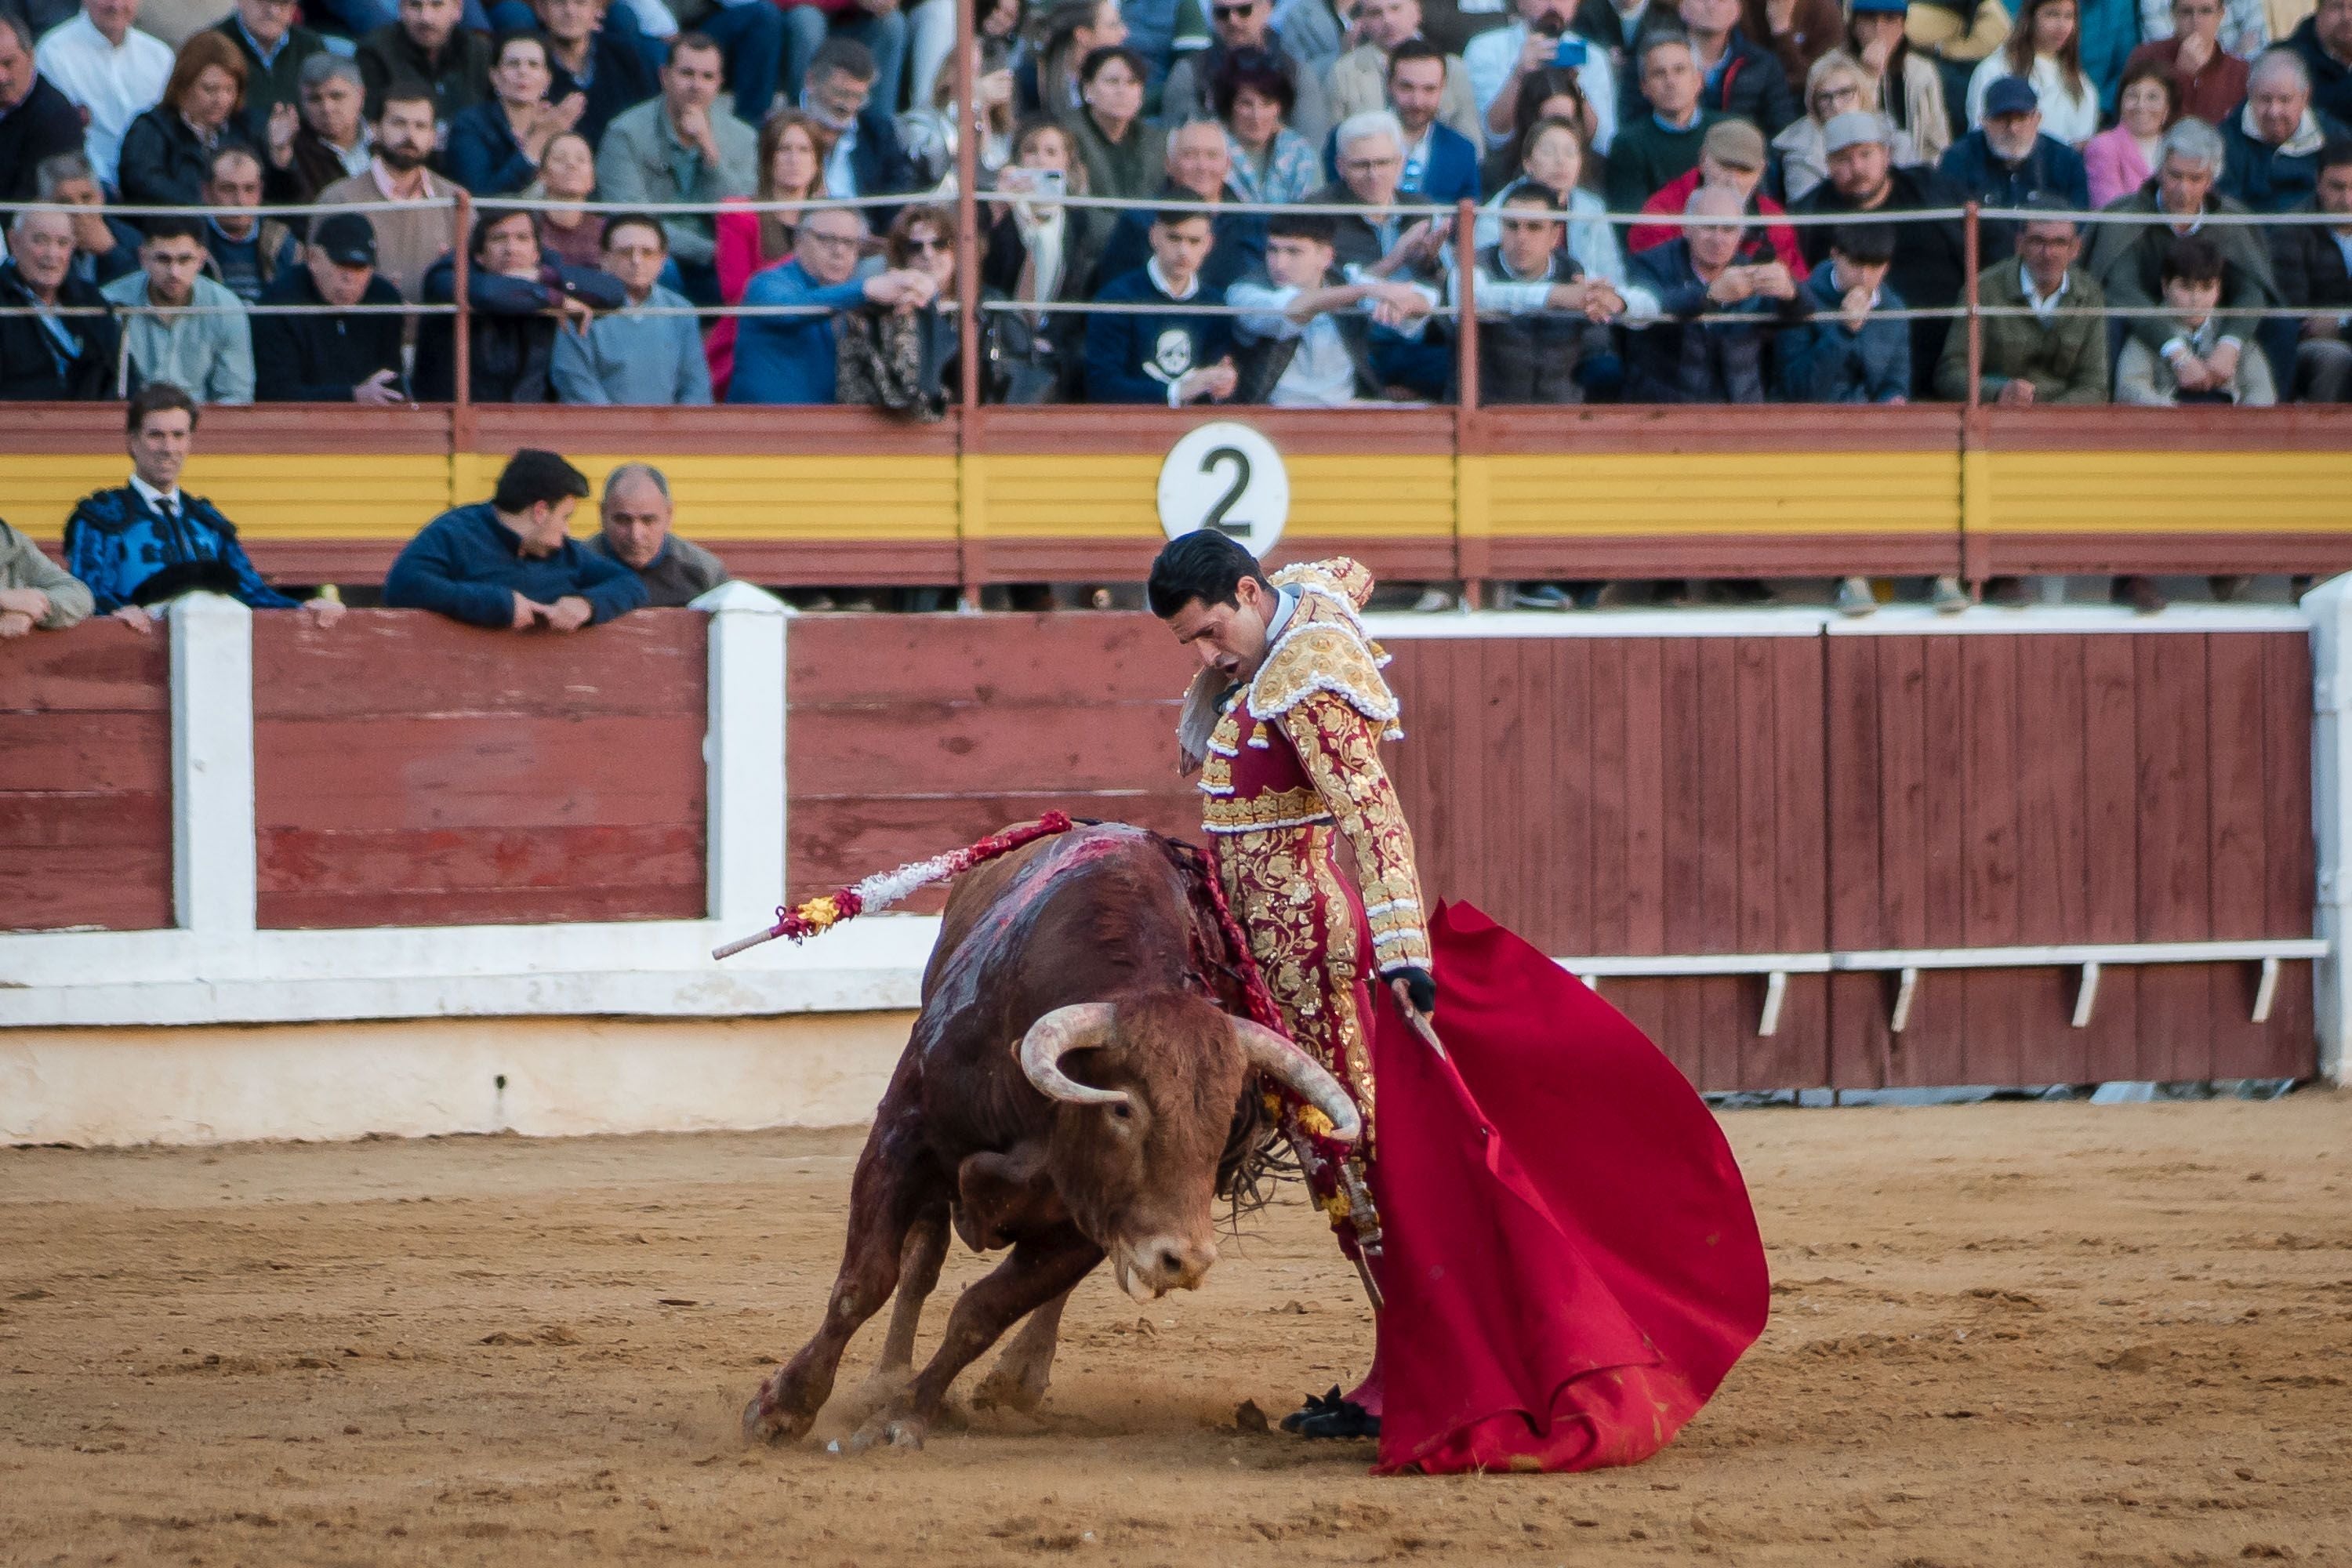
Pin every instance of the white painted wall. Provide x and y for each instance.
(565, 1077)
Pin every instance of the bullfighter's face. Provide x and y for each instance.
(1228, 637)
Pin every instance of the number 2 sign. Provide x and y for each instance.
(1227, 476)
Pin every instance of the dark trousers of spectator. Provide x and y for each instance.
(1426, 368)
(806, 26)
(2323, 369)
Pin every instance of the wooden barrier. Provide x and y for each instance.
(411, 771)
(85, 779)
(831, 497)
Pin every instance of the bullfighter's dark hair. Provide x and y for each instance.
(533, 475)
(1206, 565)
(158, 397)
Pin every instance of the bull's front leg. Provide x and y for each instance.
(883, 1202)
(1019, 1379)
(919, 1274)
(1037, 1271)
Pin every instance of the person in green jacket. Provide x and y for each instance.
(2058, 353)
(1659, 147)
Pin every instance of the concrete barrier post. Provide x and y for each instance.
(213, 875)
(744, 751)
(2329, 606)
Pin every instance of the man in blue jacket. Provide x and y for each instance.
(2007, 159)
(510, 561)
(150, 541)
(1163, 353)
(793, 359)
(1441, 166)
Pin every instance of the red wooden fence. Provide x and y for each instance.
(85, 779)
(1696, 795)
(907, 735)
(410, 771)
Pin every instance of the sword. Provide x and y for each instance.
(1417, 1019)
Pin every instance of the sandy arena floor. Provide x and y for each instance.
(2003, 1334)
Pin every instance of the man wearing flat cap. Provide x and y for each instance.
(2007, 160)
(1732, 156)
(338, 355)
(1930, 262)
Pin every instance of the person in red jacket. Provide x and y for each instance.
(1732, 156)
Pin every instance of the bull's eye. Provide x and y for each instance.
(1123, 1110)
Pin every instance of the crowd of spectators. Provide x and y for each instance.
(1704, 124)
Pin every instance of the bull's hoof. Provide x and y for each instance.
(766, 1420)
(886, 1430)
(884, 1389)
(1005, 1388)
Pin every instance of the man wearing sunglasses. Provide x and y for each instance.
(792, 358)
(1239, 25)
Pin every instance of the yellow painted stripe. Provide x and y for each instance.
(362, 495)
(1567, 493)
(2165, 492)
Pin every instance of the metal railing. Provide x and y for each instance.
(970, 310)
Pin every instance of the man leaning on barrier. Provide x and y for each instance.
(148, 541)
(35, 593)
(510, 561)
(635, 513)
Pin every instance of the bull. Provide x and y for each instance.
(1070, 1090)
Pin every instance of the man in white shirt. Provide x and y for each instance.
(110, 70)
(1501, 59)
(1306, 340)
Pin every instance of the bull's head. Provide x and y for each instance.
(1135, 1149)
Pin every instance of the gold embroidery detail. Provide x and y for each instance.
(1340, 753)
(1322, 656)
(1300, 807)
(1302, 931)
(1342, 576)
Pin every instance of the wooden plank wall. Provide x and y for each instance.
(906, 735)
(1997, 790)
(411, 771)
(1634, 796)
(85, 779)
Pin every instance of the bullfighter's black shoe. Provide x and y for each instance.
(1328, 1415)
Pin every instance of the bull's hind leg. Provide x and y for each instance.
(1036, 1273)
(1019, 1379)
(884, 1198)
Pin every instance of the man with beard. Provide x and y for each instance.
(1358, 80)
(1930, 262)
(2008, 159)
(407, 242)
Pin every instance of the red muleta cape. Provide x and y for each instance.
(1572, 1263)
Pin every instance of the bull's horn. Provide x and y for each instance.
(1055, 1035)
(1276, 1057)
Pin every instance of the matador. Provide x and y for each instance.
(1547, 1298)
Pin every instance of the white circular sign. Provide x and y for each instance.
(1227, 476)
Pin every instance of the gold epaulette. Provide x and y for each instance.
(1324, 656)
(1343, 577)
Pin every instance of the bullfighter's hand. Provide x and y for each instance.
(1416, 988)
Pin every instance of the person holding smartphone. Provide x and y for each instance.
(1541, 40)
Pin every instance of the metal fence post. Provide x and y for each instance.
(973, 126)
(461, 342)
(1974, 488)
(1469, 551)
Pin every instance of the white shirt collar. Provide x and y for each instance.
(1159, 282)
(2041, 305)
(1286, 600)
(152, 496)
